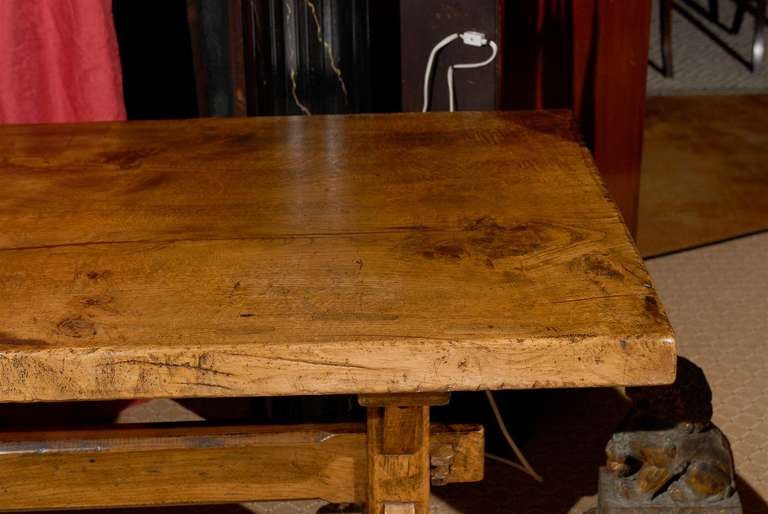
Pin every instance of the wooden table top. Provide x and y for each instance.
(329, 254)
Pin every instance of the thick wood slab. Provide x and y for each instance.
(331, 254)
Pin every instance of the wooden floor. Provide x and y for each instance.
(705, 175)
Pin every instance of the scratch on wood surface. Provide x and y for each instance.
(644, 280)
(301, 361)
(140, 362)
(94, 275)
(203, 384)
(601, 297)
(7, 339)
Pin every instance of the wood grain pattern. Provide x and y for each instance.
(396, 439)
(132, 466)
(337, 254)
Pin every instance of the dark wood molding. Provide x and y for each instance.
(612, 111)
(589, 56)
(216, 33)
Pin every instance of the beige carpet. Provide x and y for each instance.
(717, 298)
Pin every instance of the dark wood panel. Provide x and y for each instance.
(216, 30)
(613, 123)
(537, 55)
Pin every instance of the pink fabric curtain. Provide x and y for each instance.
(59, 62)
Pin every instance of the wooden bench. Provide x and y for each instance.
(394, 257)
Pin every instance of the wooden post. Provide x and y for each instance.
(398, 452)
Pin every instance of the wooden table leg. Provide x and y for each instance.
(398, 452)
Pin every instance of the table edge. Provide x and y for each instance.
(386, 366)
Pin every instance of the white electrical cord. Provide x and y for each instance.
(428, 72)
(524, 465)
(465, 66)
(470, 38)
